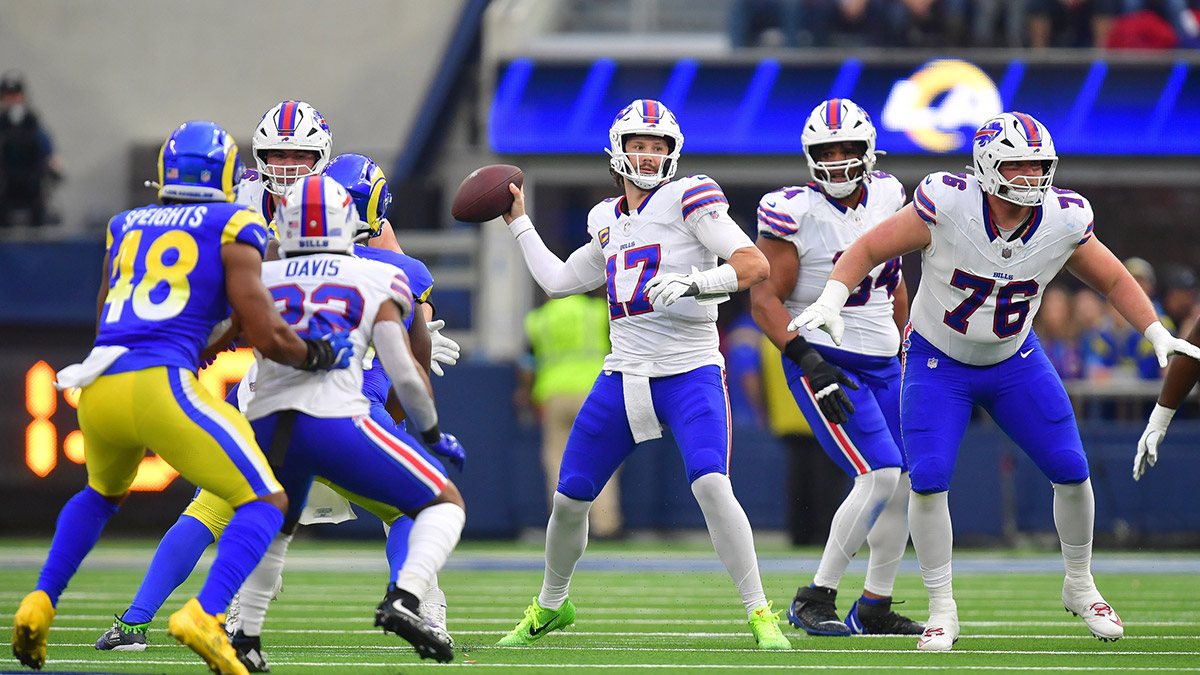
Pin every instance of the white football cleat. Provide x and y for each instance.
(941, 630)
(1100, 618)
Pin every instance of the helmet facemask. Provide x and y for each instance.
(856, 169)
(628, 164)
(1026, 190)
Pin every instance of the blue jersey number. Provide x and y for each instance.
(1010, 313)
(337, 306)
(889, 278)
(648, 258)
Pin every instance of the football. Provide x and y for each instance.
(484, 194)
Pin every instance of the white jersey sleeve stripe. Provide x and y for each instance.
(1087, 233)
(781, 223)
(925, 206)
(705, 194)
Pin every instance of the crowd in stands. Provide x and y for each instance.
(1109, 24)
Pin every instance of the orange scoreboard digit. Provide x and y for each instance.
(42, 434)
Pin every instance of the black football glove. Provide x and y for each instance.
(825, 379)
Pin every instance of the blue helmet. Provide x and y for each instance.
(199, 163)
(365, 182)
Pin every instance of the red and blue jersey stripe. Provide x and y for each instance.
(288, 117)
(706, 194)
(1087, 232)
(924, 205)
(1032, 134)
(833, 113)
(780, 223)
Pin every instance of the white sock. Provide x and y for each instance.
(434, 535)
(261, 585)
(566, 539)
(887, 540)
(1074, 516)
(933, 537)
(731, 536)
(852, 523)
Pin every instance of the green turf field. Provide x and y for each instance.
(640, 609)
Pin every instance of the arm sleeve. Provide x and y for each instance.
(720, 234)
(583, 270)
(391, 347)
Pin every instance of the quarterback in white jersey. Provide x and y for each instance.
(803, 231)
(323, 427)
(656, 248)
(989, 245)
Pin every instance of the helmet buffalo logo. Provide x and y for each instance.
(624, 111)
(987, 132)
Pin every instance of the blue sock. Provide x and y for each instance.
(397, 544)
(174, 559)
(242, 545)
(872, 601)
(79, 525)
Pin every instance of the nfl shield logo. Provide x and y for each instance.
(205, 176)
(1006, 253)
(931, 363)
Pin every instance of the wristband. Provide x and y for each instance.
(720, 279)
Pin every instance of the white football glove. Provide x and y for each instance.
(1166, 344)
(444, 350)
(669, 287)
(1156, 430)
(826, 312)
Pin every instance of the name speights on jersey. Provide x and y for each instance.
(980, 288)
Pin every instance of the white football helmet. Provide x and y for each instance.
(644, 117)
(1011, 137)
(834, 121)
(291, 125)
(316, 215)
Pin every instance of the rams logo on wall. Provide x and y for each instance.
(938, 100)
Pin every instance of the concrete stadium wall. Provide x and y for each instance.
(109, 76)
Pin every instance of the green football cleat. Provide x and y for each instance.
(765, 626)
(538, 622)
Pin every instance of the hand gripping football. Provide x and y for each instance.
(484, 194)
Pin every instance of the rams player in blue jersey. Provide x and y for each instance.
(207, 515)
(171, 273)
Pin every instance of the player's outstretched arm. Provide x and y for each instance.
(1182, 375)
(265, 330)
(410, 383)
(766, 299)
(1096, 266)
(583, 270)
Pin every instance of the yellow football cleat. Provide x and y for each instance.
(202, 632)
(31, 627)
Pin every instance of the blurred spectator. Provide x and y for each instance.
(768, 23)
(1143, 29)
(1071, 23)
(987, 16)
(569, 340)
(1137, 350)
(1179, 297)
(27, 161)
(1098, 346)
(740, 342)
(1056, 332)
